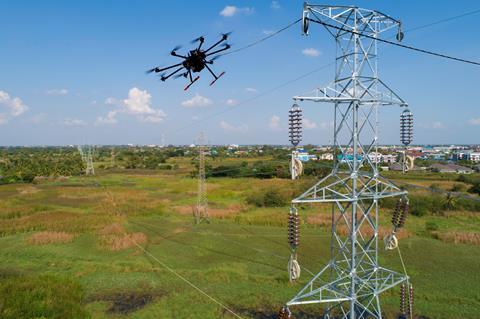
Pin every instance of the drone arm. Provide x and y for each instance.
(215, 44)
(163, 78)
(201, 43)
(167, 68)
(220, 50)
(177, 55)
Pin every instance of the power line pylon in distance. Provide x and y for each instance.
(89, 170)
(201, 209)
(349, 286)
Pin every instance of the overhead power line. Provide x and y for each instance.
(271, 35)
(276, 88)
(443, 20)
(396, 44)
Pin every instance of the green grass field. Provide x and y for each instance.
(67, 243)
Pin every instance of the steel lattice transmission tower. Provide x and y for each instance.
(201, 210)
(351, 283)
(89, 159)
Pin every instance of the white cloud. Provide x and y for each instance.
(251, 90)
(308, 124)
(231, 102)
(231, 128)
(311, 52)
(267, 32)
(111, 101)
(197, 101)
(138, 103)
(57, 92)
(15, 105)
(230, 11)
(275, 5)
(438, 125)
(325, 125)
(274, 122)
(3, 118)
(37, 119)
(474, 121)
(111, 118)
(74, 122)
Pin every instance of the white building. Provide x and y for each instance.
(475, 157)
(326, 157)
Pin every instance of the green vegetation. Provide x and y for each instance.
(66, 246)
(41, 296)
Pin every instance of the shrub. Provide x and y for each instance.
(270, 198)
(431, 226)
(458, 188)
(40, 297)
(475, 189)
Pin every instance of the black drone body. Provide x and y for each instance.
(195, 61)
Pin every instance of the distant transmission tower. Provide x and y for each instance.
(201, 210)
(350, 285)
(89, 159)
(112, 155)
(163, 140)
(82, 153)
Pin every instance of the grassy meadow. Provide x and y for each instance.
(67, 249)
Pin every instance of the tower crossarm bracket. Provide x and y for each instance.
(379, 94)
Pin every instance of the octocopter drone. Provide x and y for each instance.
(195, 61)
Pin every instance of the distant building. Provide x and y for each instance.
(450, 168)
(475, 157)
(326, 157)
(305, 157)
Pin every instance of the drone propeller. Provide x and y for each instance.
(178, 47)
(225, 35)
(152, 70)
(200, 38)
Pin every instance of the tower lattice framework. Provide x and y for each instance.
(89, 170)
(201, 210)
(350, 284)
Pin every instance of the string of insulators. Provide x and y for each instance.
(284, 313)
(406, 127)
(403, 300)
(293, 228)
(295, 124)
(410, 301)
(400, 213)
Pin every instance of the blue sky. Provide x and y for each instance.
(72, 72)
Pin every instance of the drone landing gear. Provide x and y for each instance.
(216, 78)
(192, 81)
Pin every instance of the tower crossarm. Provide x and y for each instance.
(368, 22)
